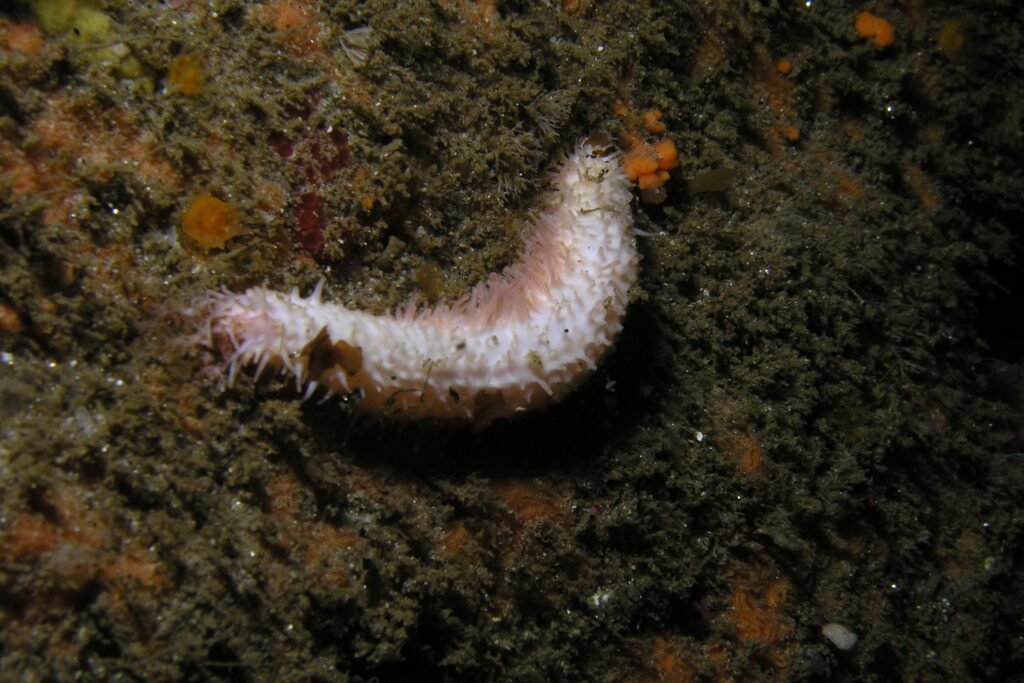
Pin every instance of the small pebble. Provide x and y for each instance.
(839, 635)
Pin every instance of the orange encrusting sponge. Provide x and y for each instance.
(210, 221)
(649, 165)
(874, 28)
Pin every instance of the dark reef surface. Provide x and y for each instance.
(813, 418)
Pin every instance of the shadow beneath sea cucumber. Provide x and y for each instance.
(566, 436)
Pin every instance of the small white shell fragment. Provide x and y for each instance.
(839, 635)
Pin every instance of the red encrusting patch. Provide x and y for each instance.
(312, 219)
(319, 154)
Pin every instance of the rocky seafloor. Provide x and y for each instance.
(802, 462)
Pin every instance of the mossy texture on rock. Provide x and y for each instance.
(811, 418)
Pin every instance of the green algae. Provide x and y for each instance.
(834, 334)
(87, 26)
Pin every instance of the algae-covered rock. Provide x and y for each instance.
(93, 32)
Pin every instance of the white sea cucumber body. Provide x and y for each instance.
(521, 340)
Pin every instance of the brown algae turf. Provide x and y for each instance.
(813, 416)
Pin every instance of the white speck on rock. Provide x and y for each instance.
(839, 635)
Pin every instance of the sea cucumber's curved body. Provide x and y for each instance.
(521, 340)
